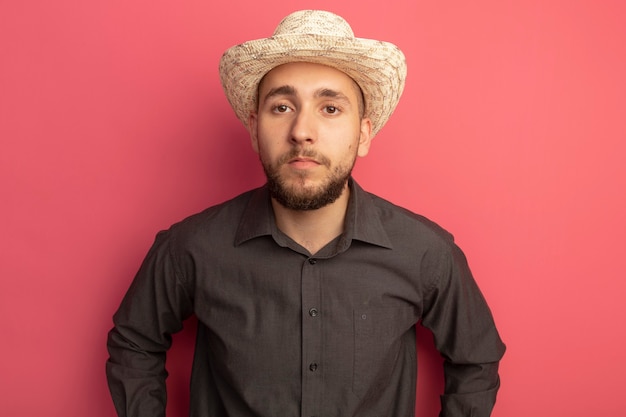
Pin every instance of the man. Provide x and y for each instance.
(307, 290)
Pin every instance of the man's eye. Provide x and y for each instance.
(281, 108)
(332, 109)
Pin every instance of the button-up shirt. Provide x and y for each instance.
(282, 332)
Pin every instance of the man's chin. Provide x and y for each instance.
(304, 190)
(310, 198)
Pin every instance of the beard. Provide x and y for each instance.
(301, 198)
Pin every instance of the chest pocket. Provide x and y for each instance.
(377, 343)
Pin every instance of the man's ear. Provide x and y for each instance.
(365, 139)
(252, 128)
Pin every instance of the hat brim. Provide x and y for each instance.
(378, 67)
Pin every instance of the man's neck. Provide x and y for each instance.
(313, 229)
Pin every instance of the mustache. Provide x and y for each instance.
(300, 152)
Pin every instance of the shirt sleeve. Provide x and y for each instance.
(152, 310)
(466, 336)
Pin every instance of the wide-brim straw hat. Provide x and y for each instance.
(378, 67)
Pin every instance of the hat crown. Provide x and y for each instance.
(314, 22)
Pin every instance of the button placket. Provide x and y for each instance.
(311, 337)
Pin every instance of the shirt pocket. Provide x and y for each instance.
(377, 342)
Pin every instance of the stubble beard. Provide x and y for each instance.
(296, 196)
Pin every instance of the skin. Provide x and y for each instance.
(308, 131)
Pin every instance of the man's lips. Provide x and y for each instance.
(303, 163)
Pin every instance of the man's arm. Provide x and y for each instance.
(152, 310)
(466, 336)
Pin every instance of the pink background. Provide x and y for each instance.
(511, 134)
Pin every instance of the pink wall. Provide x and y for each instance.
(511, 133)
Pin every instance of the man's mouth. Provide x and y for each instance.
(303, 162)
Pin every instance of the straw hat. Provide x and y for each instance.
(316, 36)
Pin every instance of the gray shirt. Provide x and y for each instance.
(284, 333)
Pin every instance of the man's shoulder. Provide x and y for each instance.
(218, 220)
(402, 220)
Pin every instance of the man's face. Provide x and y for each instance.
(308, 131)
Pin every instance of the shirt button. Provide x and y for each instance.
(313, 312)
(312, 261)
(313, 367)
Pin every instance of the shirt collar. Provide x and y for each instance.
(363, 221)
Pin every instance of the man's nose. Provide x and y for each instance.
(303, 128)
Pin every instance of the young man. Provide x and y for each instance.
(307, 290)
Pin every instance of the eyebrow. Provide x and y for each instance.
(283, 90)
(327, 92)
(288, 90)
